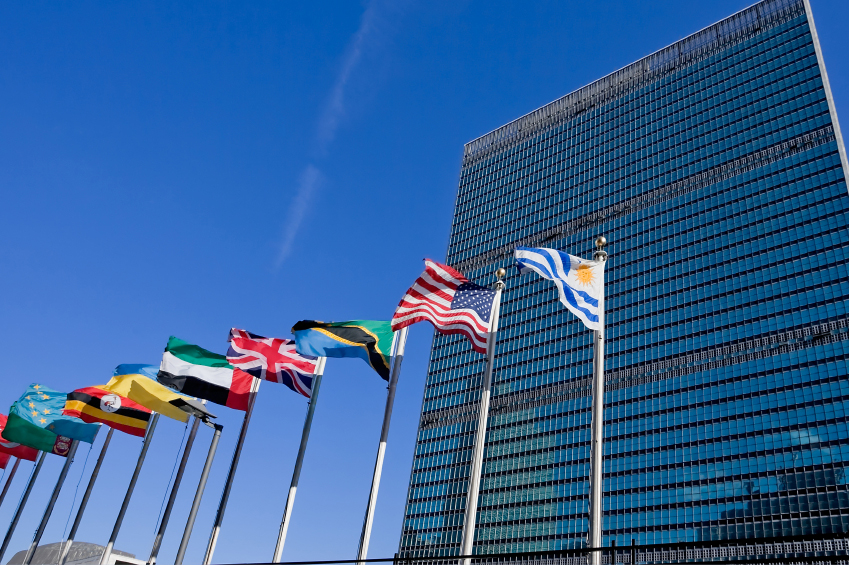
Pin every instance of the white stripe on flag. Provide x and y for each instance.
(221, 376)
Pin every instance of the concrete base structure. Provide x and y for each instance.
(81, 553)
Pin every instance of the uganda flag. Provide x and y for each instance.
(369, 340)
(96, 405)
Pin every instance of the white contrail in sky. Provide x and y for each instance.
(307, 185)
(335, 108)
(325, 132)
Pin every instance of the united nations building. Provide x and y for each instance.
(716, 170)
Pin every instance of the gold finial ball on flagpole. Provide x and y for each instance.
(600, 242)
(500, 273)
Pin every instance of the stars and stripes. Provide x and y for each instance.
(272, 359)
(446, 299)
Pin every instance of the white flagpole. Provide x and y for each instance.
(296, 474)
(66, 548)
(69, 459)
(480, 433)
(22, 504)
(362, 552)
(225, 496)
(107, 552)
(597, 425)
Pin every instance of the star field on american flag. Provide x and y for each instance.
(474, 297)
(447, 299)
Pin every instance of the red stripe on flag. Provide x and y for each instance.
(240, 390)
(429, 300)
(97, 392)
(88, 418)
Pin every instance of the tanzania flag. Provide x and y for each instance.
(15, 449)
(197, 372)
(136, 383)
(42, 407)
(369, 340)
(97, 405)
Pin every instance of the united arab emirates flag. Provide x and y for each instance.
(194, 371)
(370, 340)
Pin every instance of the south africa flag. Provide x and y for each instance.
(369, 340)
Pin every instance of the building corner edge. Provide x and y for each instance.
(832, 110)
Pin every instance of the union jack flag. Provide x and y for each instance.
(446, 299)
(272, 359)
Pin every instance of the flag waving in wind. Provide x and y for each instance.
(580, 281)
(198, 372)
(272, 359)
(36, 420)
(15, 449)
(95, 404)
(446, 299)
(137, 383)
(370, 340)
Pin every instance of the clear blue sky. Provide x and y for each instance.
(178, 169)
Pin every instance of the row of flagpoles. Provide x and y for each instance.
(44, 420)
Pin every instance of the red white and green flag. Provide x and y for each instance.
(197, 372)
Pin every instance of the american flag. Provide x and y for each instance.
(272, 359)
(446, 299)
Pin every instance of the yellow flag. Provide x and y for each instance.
(150, 394)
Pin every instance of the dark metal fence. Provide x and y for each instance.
(824, 549)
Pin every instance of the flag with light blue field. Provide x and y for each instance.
(580, 281)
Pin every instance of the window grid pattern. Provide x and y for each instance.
(719, 185)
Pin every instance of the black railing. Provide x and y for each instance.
(824, 548)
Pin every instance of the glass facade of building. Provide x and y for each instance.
(715, 169)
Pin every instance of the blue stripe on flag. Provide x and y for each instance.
(568, 294)
(549, 269)
(587, 298)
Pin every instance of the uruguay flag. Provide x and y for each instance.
(580, 282)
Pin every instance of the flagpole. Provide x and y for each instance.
(69, 459)
(84, 502)
(21, 505)
(597, 425)
(104, 559)
(362, 551)
(9, 480)
(480, 434)
(166, 516)
(296, 474)
(225, 496)
(190, 523)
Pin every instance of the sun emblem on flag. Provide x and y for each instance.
(584, 274)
